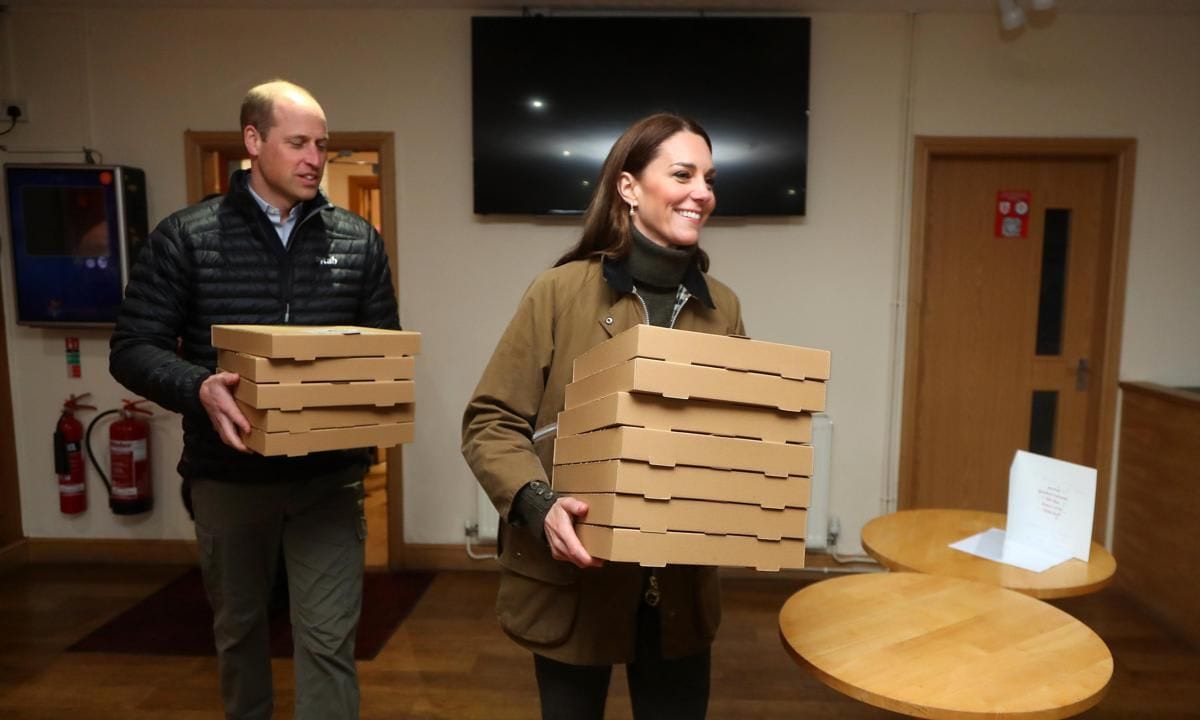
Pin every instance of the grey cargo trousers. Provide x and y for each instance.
(319, 524)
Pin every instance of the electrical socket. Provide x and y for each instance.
(7, 103)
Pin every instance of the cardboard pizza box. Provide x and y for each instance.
(703, 516)
(697, 416)
(669, 449)
(693, 348)
(303, 443)
(283, 370)
(308, 342)
(682, 548)
(695, 382)
(318, 418)
(698, 483)
(294, 396)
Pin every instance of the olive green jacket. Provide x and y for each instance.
(580, 616)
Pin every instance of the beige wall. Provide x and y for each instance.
(130, 81)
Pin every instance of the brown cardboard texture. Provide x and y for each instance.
(668, 449)
(693, 348)
(308, 342)
(294, 396)
(265, 370)
(697, 416)
(285, 443)
(679, 515)
(684, 382)
(661, 549)
(273, 421)
(640, 479)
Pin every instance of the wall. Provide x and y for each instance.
(1155, 532)
(129, 81)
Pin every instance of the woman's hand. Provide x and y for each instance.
(560, 532)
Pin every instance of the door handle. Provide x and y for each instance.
(1082, 371)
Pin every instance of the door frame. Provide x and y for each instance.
(11, 529)
(1120, 153)
(198, 142)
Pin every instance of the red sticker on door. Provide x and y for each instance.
(1012, 213)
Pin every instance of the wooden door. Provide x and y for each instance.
(10, 489)
(1009, 335)
(365, 198)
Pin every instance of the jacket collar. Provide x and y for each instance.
(618, 277)
(239, 195)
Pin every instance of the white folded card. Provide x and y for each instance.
(994, 545)
(1050, 507)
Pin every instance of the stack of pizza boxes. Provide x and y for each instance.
(691, 448)
(313, 388)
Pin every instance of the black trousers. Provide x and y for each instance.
(659, 689)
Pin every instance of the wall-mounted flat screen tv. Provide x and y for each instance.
(75, 230)
(551, 95)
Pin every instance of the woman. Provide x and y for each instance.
(638, 261)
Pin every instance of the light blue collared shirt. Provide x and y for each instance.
(283, 226)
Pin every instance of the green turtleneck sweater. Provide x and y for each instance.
(657, 273)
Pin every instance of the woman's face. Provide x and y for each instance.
(674, 193)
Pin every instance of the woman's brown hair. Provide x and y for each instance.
(606, 221)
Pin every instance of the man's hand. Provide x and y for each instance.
(216, 395)
(560, 533)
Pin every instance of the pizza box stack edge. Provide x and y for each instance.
(311, 388)
(691, 448)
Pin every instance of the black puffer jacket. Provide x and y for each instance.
(221, 262)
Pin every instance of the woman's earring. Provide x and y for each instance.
(632, 210)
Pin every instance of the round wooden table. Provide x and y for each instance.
(918, 540)
(931, 646)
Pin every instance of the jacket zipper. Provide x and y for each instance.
(645, 307)
(675, 315)
(288, 270)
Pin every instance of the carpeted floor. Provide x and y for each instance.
(176, 619)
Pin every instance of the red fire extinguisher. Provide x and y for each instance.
(130, 490)
(68, 457)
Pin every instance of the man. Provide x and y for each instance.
(271, 251)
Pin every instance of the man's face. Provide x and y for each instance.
(289, 161)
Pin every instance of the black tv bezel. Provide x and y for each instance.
(800, 24)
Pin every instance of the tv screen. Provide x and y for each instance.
(551, 95)
(74, 221)
(73, 227)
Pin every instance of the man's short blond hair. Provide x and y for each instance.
(258, 107)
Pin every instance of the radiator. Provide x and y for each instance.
(817, 535)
